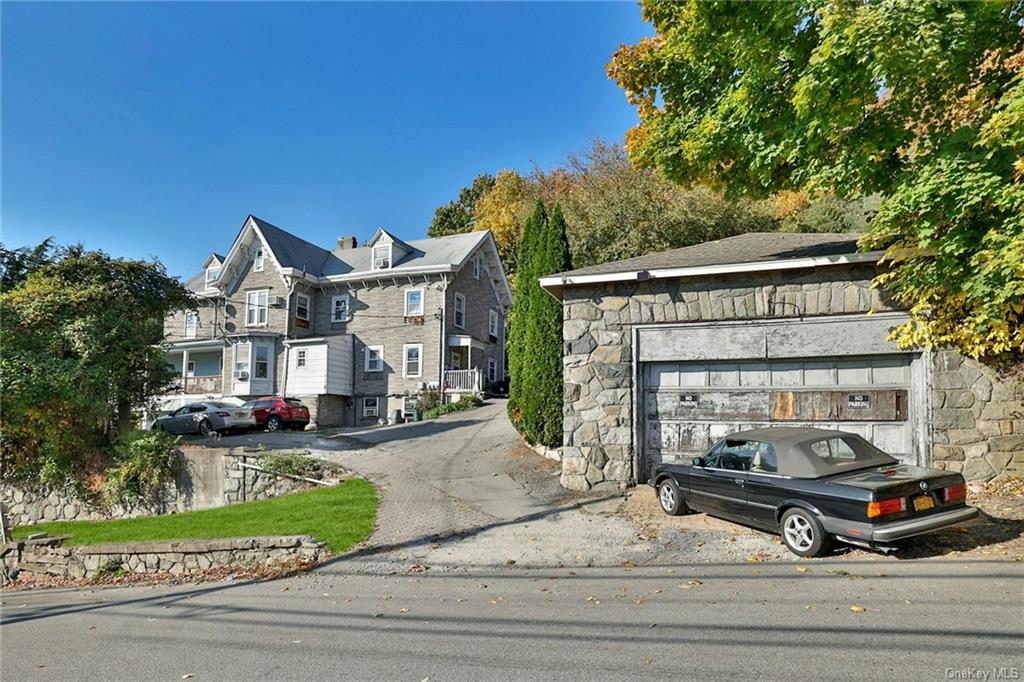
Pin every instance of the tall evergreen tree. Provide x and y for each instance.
(517, 322)
(541, 399)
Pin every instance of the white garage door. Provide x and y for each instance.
(689, 405)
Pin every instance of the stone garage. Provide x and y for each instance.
(666, 353)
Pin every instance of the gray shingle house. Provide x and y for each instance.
(357, 332)
(666, 353)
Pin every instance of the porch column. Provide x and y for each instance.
(184, 370)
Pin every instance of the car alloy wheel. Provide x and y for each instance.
(273, 424)
(667, 497)
(670, 499)
(799, 533)
(205, 428)
(803, 533)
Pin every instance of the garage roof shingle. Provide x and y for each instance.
(752, 247)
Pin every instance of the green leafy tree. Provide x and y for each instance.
(541, 392)
(79, 354)
(16, 264)
(920, 103)
(458, 216)
(518, 319)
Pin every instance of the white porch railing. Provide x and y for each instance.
(463, 380)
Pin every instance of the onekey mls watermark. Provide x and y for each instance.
(982, 673)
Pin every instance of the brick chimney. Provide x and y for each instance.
(346, 243)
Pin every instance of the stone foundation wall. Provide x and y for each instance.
(49, 556)
(972, 411)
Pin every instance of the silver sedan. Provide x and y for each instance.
(205, 418)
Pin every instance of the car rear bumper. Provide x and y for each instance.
(238, 422)
(898, 530)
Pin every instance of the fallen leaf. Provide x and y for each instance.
(482, 586)
(802, 569)
(629, 563)
(510, 562)
(689, 584)
(593, 600)
(417, 568)
(403, 610)
(497, 600)
(858, 609)
(460, 599)
(187, 676)
(641, 601)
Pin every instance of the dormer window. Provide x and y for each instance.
(212, 274)
(382, 257)
(257, 260)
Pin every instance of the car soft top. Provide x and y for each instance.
(797, 457)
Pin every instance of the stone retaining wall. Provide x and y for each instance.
(49, 556)
(210, 478)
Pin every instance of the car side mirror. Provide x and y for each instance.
(697, 462)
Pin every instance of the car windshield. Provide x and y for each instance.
(843, 453)
(220, 405)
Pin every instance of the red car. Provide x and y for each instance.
(274, 413)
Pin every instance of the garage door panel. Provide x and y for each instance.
(707, 405)
(691, 405)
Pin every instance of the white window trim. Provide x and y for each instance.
(194, 331)
(455, 312)
(476, 268)
(366, 358)
(190, 369)
(257, 307)
(456, 358)
(215, 274)
(246, 358)
(373, 257)
(492, 370)
(405, 360)
(300, 357)
(423, 305)
(299, 297)
(493, 323)
(269, 362)
(376, 406)
(334, 308)
(257, 259)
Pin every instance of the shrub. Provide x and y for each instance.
(429, 400)
(290, 464)
(466, 402)
(144, 463)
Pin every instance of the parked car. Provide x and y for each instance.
(275, 413)
(814, 486)
(205, 418)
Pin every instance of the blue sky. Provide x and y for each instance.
(153, 129)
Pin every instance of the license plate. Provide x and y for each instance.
(923, 502)
(241, 414)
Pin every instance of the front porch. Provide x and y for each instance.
(200, 368)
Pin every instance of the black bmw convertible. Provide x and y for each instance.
(814, 486)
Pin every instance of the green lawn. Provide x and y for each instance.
(340, 515)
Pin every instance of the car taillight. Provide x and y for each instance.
(957, 491)
(893, 505)
(223, 414)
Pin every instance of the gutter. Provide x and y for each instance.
(555, 284)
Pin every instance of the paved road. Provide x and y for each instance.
(741, 622)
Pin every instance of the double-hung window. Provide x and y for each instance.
(256, 308)
(414, 303)
(261, 362)
(211, 275)
(374, 360)
(382, 257)
(492, 325)
(191, 324)
(492, 371)
(339, 308)
(412, 360)
(302, 307)
(460, 311)
(242, 362)
(257, 260)
(371, 407)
